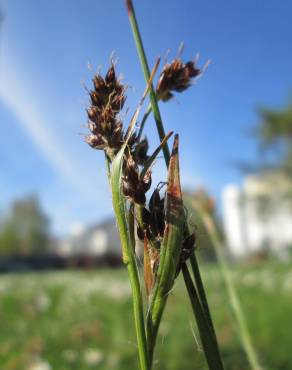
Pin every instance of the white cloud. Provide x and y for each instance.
(24, 106)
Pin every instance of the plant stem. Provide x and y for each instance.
(160, 129)
(126, 237)
(201, 290)
(208, 339)
(144, 119)
(138, 315)
(145, 67)
(108, 168)
(244, 334)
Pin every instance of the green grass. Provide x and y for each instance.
(83, 320)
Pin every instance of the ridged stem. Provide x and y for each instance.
(146, 71)
(138, 315)
(201, 290)
(208, 339)
(143, 121)
(130, 261)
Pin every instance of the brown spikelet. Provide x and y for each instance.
(107, 100)
(134, 185)
(157, 215)
(176, 76)
(139, 151)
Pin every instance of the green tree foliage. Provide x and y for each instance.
(25, 229)
(274, 133)
(8, 239)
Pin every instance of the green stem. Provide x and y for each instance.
(127, 245)
(208, 339)
(234, 300)
(144, 119)
(138, 315)
(166, 152)
(136, 290)
(131, 222)
(152, 325)
(108, 168)
(201, 290)
(145, 67)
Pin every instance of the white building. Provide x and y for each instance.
(259, 216)
(100, 240)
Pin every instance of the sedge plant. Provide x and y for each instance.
(157, 222)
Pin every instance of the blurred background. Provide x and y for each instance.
(64, 299)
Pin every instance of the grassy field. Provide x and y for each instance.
(82, 320)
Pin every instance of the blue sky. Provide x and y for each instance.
(45, 50)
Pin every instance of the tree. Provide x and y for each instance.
(274, 133)
(25, 230)
(8, 239)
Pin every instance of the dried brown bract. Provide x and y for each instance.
(176, 76)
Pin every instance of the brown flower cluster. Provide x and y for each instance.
(153, 219)
(153, 227)
(134, 185)
(105, 126)
(176, 76)
(107, 100)
(107, 133)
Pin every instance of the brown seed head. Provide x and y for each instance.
(139, 151)
(176, 76)
(153, 219)
(157, 213)
(95, 141)
(107, 100)
(134, 186)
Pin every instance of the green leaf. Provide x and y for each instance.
(119, 204)
(170, 247)
(173, 234)
(148, 273)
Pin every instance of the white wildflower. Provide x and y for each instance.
(42, 302)
(40, 365)
(93, 356)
